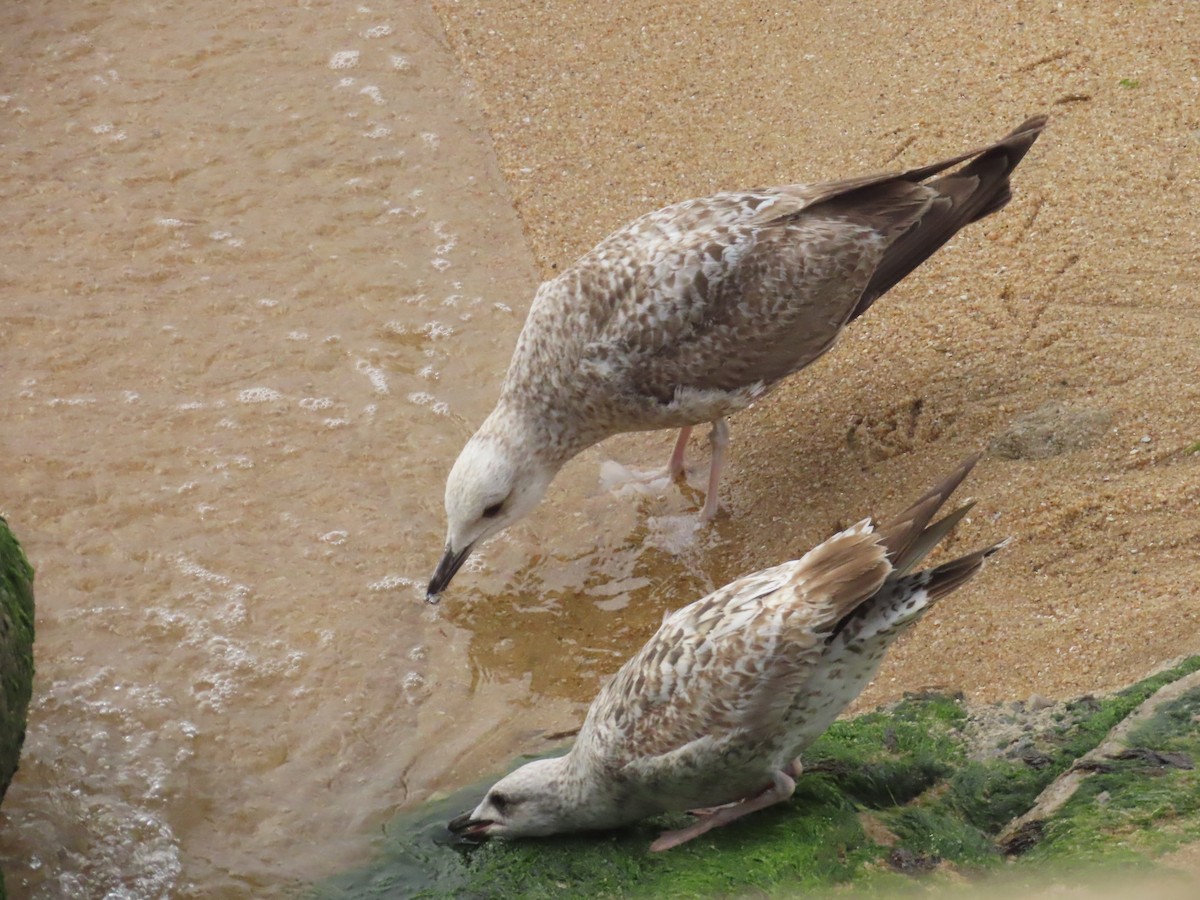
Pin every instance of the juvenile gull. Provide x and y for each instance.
(715, 708)
(692, 312)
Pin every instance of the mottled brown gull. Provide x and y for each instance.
(692, 312)
(717, 706)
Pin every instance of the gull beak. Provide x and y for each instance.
(450, 564)
(468, 827)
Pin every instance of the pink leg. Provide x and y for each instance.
(792, 770)
(719, 438)
(675, 466)
(781, 788)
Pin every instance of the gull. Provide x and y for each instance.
(693, 312)
(712, 713)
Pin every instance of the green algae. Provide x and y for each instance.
(1141, 803)
(16, 651)
(16, 655)
(937, 800)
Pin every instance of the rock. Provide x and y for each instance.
(1050, 430)
(16, 651)
(1038, 702)
(16, 655)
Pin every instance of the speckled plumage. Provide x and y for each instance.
(720, 701)
(691, 312)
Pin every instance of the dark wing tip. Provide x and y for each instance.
(902, 535)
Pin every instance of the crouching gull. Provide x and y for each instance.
(692, 312)
(715, 708)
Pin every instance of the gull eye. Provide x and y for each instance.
(500, 801)
(492, 511)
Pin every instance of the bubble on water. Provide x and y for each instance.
(120, 136)
(297, 335)
(420, 398)
(259, 395)
(336, 538)
(430, 139)
(130, 396)
(418, 653)
(443, 233)
(374, 93)
(440, 264)
(220, 235)
(376, 375)
(187, 487)
(267, 302)
(71, 401)
(102, 128)
(400, 62)
(415, 688)
(346, 82)
(475, 564)
(344, 59)
(672, 534)
(167, 222)
(188, 405)
(440, 408)
(336, 423)
(436, 330)
(379, 131)
(429, 373)
(370, 409)
(195, 570)
(391, 583)
(315, 403)
(227, 423)
(412, 212)
(378, 31)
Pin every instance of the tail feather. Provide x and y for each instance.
(978, 189)
(952, 575)
(905, 598)
(906, 537)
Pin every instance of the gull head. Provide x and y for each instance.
(493, 483)
(524, 803)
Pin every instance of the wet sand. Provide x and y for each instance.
(1084, 291)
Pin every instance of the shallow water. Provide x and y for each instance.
(260, 279)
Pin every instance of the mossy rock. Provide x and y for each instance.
(907, 799)
(16, 655)
(16, 651)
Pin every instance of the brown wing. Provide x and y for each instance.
(752, 299)
(731, 662)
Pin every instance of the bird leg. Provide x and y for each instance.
(781, 788)
(719, 438)
(675, 466)
(792, 770)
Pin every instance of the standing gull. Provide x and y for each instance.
(715, 708)
(692, 312)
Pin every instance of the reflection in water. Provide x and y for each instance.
(261, 280)
(592, 589)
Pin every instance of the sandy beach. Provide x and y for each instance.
(1079, 302)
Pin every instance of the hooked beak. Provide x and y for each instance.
(451, 563)
(467, 827)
